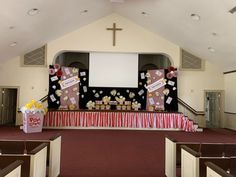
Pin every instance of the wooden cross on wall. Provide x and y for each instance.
(114, 29)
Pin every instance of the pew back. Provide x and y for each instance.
(10, 169)
(173, 152)
(214, 170)
(17, 147)
(53, 151)
(193, 164)
(224, 162)
(7, 158)
(223, 169)
(34, 162)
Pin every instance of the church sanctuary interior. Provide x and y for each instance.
(118, 88)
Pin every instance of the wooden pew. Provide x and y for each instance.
(173, 155)
(54, 155)
(173, 152)
(53, 151)
(34, 161)
(10, 169)
(193, 162)
(214, 170)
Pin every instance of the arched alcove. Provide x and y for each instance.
(81, 60)
(73, 59)
(153, 61)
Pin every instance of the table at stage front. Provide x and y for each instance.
(117, 119)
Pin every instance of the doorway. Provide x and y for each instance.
(213, 109)
(8, 105)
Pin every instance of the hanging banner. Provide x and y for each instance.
(69, 98)
(156, 85)
(155, 90)
(69, 82)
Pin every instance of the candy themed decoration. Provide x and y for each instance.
(69, 83)
(171, 72)
(171, 68)
(136, 105)
(90, 105)
(131, 95)
(166, 91)
(58, 93)
(75, 70)
(148, 74)
(145, 93)
(34, 107)
(106, 99)
(120, 99)
(96, 95)
(72, 107)
(51, 71)
(155, 88)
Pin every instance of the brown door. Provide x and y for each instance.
(8, 104)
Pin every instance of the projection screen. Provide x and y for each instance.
(113, 69)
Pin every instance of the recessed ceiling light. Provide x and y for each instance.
(195, 17)
(145, 14)
(83, 12)
(13, 44)
(214, 34)
(11, 27)
(211, 49)
(33, 12)
(117, 1)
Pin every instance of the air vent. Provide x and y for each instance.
(191, 62)
(36, 57)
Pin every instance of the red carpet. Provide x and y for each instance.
(113, 153)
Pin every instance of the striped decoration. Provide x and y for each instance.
(118, 120)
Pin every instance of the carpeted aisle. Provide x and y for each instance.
(114, 153)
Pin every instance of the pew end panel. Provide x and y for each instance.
(173, 154)
(170, 157)
(38, 161)
(193, 145)
(15, 173)
(12, 170)
(55, 156)
(193, 165)
(224, 162)
(10, 158)
(53, 150)
(215, 171)
(189, 162)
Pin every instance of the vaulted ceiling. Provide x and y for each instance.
(212, 37)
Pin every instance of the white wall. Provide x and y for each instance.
(230, 100)
(230, 92)
(32, 81)
(94, 37)
(191, 84)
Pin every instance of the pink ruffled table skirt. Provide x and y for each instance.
(118, 119)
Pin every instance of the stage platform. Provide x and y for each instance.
(110, 119)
